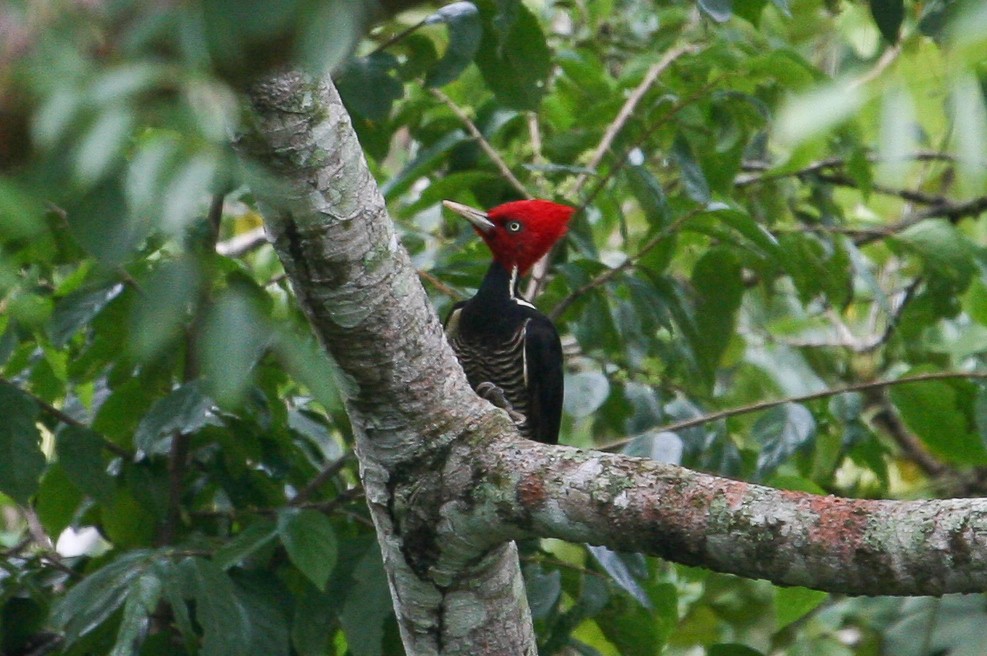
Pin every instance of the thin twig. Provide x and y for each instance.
(244, 243)
(327, 472)
(485, 146)
(952, 212)
(540, 271)
(910, 445)
(441, 286)
(181, 441)
(888, 58)
(765, 405)
(628, 108)
(69, 420)
(610, 274)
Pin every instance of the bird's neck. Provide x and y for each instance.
(500, 285)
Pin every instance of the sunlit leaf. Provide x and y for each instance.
(811, 114)
(792, 604)
(102, 145)
(939, 413)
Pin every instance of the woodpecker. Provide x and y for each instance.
(510, 351)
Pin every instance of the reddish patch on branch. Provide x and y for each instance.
(531, 492)
(840, 523)
(735, 492)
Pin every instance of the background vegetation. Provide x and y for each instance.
(779, 201)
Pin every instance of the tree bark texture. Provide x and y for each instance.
(448, 481)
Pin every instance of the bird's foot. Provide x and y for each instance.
(496, 396)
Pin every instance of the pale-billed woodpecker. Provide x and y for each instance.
(510, 351)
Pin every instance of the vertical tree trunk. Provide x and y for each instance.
(409, 402)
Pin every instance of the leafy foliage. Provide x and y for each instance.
(789, 207)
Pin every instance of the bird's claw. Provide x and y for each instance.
(496, 396)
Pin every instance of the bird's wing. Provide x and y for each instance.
(451, 324)
(543, 378)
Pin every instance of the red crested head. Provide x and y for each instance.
(518, 233)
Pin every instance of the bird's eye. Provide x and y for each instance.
(513, 226)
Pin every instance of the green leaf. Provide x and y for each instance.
(624, 569)
(368, 86)
(224, 620)
(586, 391)
(142, 602)
(233, 339)
(718, 281)
(185, 410)
(164, 307)
(77, 310)
(102, 146)
(782, 431)
(792, 604)
(314, 621)
(944, 250)
(649, 194)
(21, 459)
(941, 414)
(246, 542)
(80, 453)
(99, 595)
(888, 15)
(513, 58)
(465, 32)
(718, 10)
(368, 605)
(950, 625)
(126, 522)
(122, 411)
(262, 594)
(733, 649)
(543, 590)
(57, 500)
(693, 178)
(310, 541)
(101, 224)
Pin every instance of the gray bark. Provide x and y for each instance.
(449, 483)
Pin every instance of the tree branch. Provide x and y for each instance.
(853, 546)
(485, 146)
(766, 405)
(627, 110)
